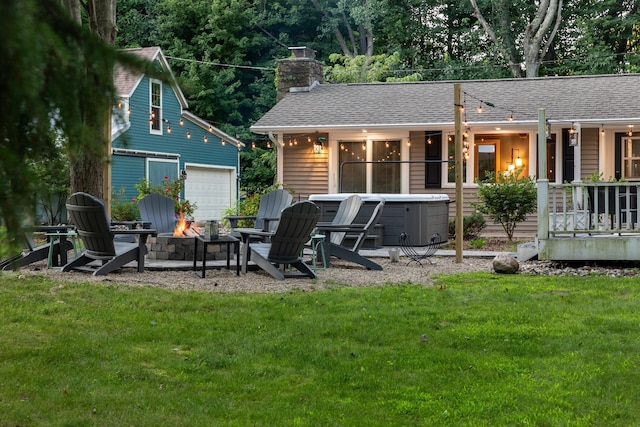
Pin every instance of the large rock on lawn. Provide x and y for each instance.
(505, 264)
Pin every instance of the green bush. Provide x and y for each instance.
(122, 209)
(507, 199)
(472, 226)
(478, 243)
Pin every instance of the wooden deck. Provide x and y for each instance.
(588, 221)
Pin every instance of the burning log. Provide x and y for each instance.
(190, 232)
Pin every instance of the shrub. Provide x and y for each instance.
(472, 226)
(507, 199)
(477, 243)
(123, 210)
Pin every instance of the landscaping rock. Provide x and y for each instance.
(505, 264)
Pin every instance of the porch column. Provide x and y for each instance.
(543, 182)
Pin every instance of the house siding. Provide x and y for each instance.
(304, 172)
(128, 168)
(127, 172)
(590, 152)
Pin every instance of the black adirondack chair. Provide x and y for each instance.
(32, 253)
(294, 228)
(350, 253)
(89, 215)
(271, 206)
(159, 210)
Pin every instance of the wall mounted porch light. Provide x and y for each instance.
(574, 134)
(317, 145)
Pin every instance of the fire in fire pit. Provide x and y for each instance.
(185, 228)
(180, 246)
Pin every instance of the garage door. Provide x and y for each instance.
(211, 189)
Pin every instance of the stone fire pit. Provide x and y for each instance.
(180, 248)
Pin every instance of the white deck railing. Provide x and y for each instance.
(594, 208)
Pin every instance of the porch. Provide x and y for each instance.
(588, 221)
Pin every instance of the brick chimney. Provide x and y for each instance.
(300, 72)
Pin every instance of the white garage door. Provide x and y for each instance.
(211, 189)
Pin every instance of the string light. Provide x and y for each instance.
(188, 135)
(205, 139)
(181, 121)
(223, 142)
(210, 128)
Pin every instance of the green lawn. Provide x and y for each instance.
(478, 349)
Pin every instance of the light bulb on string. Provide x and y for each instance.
(188, 135)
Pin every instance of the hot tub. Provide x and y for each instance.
(418, 215)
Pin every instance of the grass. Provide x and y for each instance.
(475, 350)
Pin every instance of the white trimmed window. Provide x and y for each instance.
(155, 100)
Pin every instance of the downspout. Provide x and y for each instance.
(238, 181)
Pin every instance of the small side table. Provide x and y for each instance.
(61, 252)
(220, 240)
(318, 259)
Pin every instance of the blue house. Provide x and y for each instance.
(154, 136)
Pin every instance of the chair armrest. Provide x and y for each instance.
(341, 227)
(233, 219)
(246, 233)
(141, 231)
(144, 233)
(267, 223)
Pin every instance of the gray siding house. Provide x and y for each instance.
(155, 136)
(399, 138)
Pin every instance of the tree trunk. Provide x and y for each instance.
(549, 12)
(91, 171)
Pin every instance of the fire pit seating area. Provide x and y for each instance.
(176, 239)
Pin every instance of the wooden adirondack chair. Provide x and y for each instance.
(294, 228)
(89, 215)
(160, 211)
(339, 250)
(271, 206)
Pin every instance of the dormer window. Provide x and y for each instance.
(156, 106)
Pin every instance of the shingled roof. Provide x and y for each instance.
(599, 99)
(126, 81)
